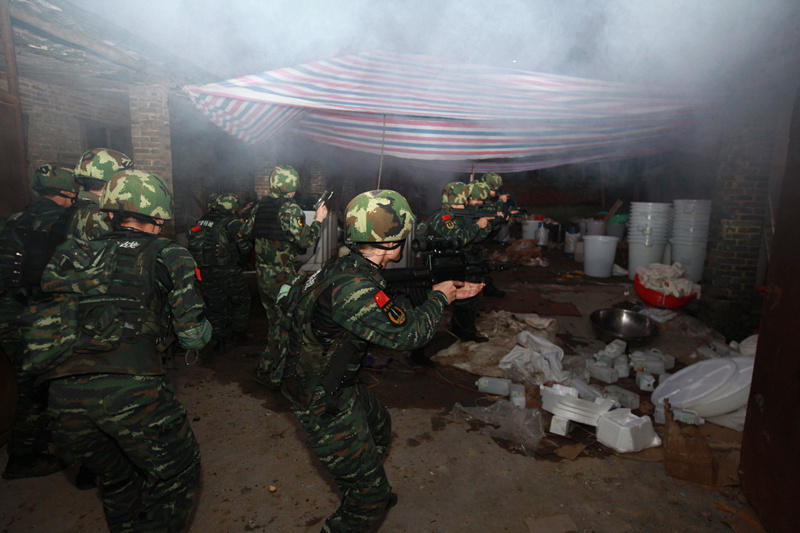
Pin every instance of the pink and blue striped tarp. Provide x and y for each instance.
(459, 117)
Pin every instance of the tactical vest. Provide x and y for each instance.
(122, 315)
(209, 242)
(316, 357)
(25, 250)
(268, 222)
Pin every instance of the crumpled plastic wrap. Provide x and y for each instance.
(668, 279)
(534, 360)
(522, 426)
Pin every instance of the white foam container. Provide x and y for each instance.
(625, 432)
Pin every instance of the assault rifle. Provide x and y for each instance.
(443, 265)
(473, 213)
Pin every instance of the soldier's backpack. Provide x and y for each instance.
(86, 312)
(25, 250)
(209, 243)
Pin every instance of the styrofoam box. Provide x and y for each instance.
(625, 432)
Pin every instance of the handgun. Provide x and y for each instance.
(324, 199)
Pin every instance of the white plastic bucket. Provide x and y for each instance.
(529, 229)
(692, 256)
(599, 255)
(596, 227)
(642, 254)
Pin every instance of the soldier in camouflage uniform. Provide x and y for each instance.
(347, 308)
(28, 240)
(112, 404)
(218, 246)
(94, 169)
(279, 228)
(462, 230)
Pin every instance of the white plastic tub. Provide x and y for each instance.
(599, 255)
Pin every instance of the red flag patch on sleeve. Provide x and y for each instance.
(381, 299)
(446, 217)
(197, 274)
(195, 229)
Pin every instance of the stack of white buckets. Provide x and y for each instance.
(653, 224)
(648, 231)
(690, 235)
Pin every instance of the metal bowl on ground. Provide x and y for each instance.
(632, 327)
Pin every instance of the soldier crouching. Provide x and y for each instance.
(343, 309)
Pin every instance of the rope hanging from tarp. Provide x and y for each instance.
(383, 143)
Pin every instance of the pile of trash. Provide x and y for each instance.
(714, 389)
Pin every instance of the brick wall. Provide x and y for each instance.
(150, 130)
(739, 206)
(54, 116)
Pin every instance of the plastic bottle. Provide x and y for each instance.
(542, 233)
(489, 385)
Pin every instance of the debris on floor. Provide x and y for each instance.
(518, 425)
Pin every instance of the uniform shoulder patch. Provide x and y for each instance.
(446, 217)
(393, 312)
(301, 221)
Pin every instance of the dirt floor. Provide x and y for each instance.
(450, 474)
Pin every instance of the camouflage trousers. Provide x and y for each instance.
(227, 300)
(30, 435)
(133, 434)
(269, 283)
(352, 443)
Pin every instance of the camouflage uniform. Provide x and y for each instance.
(112, 404)
(278, 226)
(348, 428)
(94, 168)
(464, 231)
(218, 246)
(26, 244)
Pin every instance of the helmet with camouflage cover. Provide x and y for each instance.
(49, 178)
(101, 164)
(284, 179)
(211, 199)
(455, 193)
(138, 192)
(227, 202)
(493, 180)
(478, 190)
(378, 216)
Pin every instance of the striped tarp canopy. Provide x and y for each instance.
(459, 117)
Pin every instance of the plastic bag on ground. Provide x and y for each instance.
(522, 426)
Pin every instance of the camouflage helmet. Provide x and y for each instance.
(136, 191)
(455, 193)
(378, 216)
(284, 179)
(101, 164)
(478, 190)
(49, 177)
(227, 202)
(211, 199)
(493, 180)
